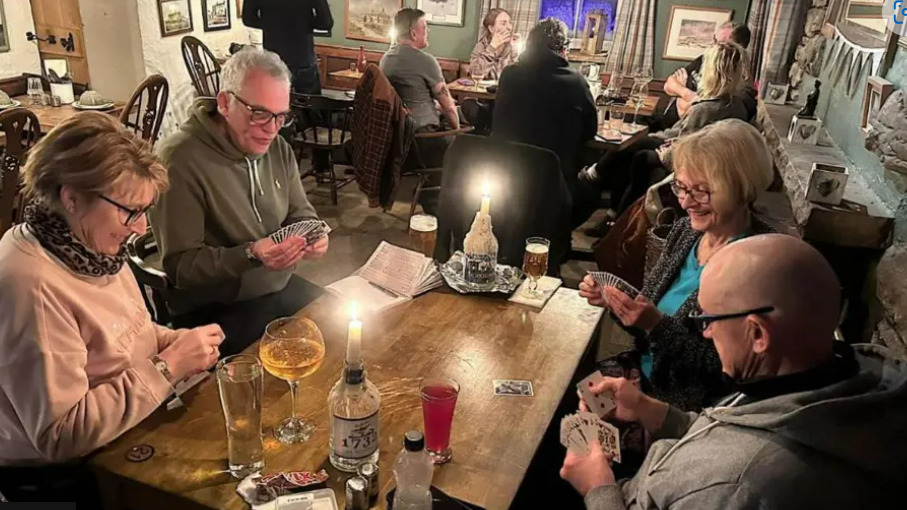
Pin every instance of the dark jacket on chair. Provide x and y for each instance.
(381, 136)
(541, 101)
(686, 371)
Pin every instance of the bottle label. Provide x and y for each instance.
(355, 439)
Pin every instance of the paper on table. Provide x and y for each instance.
(396, 269)
(369, 298)
(547, 285)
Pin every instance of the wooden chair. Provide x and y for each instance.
(140, 252)
(144, 113)
(22, 130)
(422, 171)
(322, 125)
(202, 66)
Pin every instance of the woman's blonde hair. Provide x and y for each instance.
(732, 157)
(91, 153)
(724, 70)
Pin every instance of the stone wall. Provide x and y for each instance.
(808, 52)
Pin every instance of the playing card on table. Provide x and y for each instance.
(599, 404)
(604, 279)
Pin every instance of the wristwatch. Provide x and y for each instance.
(250, 255)
(163, 367)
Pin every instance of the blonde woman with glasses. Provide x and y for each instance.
(80, 360)
(719, 172)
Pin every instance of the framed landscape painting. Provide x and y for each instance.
(175, 17)
(691, 30)
(216, 14)
(371, 20)
(443, 12)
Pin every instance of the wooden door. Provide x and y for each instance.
(61, 18)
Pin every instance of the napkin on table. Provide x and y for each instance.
(547, 285)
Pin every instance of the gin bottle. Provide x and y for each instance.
(353, 404)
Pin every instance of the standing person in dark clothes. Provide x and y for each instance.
(287, 26)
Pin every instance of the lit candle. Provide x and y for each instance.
(486, 198)
(354, 338)
(392, 35)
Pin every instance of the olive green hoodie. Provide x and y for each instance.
(219, 200)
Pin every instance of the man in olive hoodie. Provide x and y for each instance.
(811, 423)
(233, 182)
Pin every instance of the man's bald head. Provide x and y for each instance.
(779, 271)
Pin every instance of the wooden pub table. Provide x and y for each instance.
(626, 140)
(50, 116)
(460, 91)
(473, 340)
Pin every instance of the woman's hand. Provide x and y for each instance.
(499, 38)
(590, 290)
(193, 351)
(637, 313)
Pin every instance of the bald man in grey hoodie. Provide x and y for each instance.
(233, 182)
(811, 423)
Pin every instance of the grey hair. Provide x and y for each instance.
(242, 62)
(549, 33)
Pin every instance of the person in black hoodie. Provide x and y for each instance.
(287, 27)
(541, 101)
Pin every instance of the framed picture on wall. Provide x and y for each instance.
(691, 30)
(875, 95)
(443, 12)
(175, 17)
(216, 14)
(371, 20)
(4, 33)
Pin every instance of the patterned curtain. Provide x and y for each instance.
(524, 14)
(776, 26)
(634, 35)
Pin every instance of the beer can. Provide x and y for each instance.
(369, 471)
(357, 493)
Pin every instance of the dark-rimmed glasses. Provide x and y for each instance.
(260, 116)
(701, 322)
(132, 215)
(699, 195)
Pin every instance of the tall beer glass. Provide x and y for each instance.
(535, 264)
(239, 381)
(423, 234)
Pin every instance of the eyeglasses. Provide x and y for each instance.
(701, 322)
(132, 215)
(260, 116)
(699, 195)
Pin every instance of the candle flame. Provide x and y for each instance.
(392, 34)
(354, 309)
(486, 189)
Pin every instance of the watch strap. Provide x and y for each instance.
(163, 367)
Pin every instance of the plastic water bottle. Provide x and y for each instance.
(413, 471)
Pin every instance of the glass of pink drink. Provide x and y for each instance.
(439, 399)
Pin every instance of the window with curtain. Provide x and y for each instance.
(573, 12)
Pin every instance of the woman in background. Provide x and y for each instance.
(495, 50)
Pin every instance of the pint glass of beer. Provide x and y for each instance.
(423, 234)
(535, 264)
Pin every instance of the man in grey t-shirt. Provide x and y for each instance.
(417, 78)
(416, 75)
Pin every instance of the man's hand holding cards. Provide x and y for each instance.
(311, 230)
(601, 403)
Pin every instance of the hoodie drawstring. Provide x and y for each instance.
(689, 437)
(254, 180)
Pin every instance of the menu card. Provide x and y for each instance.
(392, 276)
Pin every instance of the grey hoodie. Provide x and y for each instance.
(843, 446)
(219, 200)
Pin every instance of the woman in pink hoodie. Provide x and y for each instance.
(80, 360)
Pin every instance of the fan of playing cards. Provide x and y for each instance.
(604, 279)
(578, 430)
(311, 230)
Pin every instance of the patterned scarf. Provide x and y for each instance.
(55, 236)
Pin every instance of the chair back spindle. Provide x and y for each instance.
(21, 129)
(144, 113)
(204, 70)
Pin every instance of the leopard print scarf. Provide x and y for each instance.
(55, 236)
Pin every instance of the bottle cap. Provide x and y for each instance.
(414, 441)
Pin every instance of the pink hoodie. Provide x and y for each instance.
(75, 371)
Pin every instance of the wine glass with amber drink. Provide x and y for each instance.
(292, 348)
